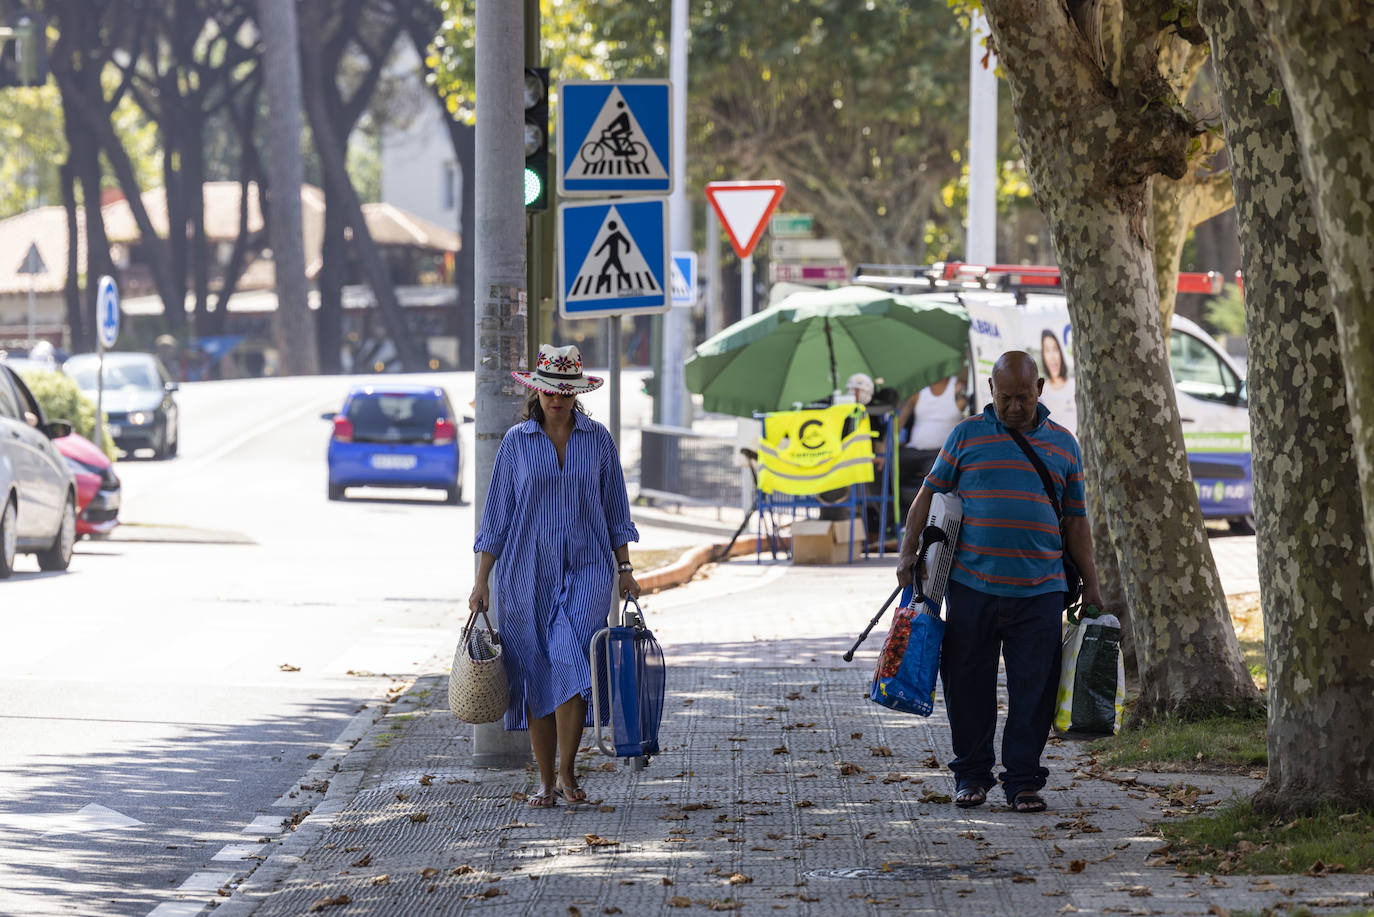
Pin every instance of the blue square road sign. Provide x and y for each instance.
(613, 257)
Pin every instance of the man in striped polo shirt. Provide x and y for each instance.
(1006, 588)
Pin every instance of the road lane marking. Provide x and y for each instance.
(178, 909)
(234, 853)
(265, 824)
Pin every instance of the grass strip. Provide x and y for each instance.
(1235, 839)
(1228, 743)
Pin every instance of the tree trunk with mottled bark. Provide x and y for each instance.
(293, 325)
(1315, 584)
(1325, 56)
(1091, 146)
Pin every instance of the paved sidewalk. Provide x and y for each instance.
(781, 788)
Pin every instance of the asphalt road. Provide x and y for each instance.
(172, 686)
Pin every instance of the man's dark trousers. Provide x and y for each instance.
(1027, 630)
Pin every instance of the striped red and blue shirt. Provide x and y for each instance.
(1009, 543)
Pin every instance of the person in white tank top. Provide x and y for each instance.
(932, 413)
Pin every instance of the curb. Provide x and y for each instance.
(352, 764)
(685, 567)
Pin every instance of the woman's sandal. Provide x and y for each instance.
(970, 796)
(546, 800)
(573, 795)
(1028, 801)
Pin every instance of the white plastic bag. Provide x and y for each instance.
(1092, 678)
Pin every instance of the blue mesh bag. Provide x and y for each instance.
(633, 672)
(910, 661)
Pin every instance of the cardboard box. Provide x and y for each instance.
(821, 541)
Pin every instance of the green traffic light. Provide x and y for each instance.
(534, 185)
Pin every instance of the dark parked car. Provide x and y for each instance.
(395, 435)
(138, 399)
(37, 489)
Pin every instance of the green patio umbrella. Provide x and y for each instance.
(805, 346)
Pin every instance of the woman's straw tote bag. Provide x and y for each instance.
(477, 688)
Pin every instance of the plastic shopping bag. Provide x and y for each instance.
(1092, 676)
(910, 661)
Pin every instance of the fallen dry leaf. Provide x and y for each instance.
(402, 797)
(849, 770)
(332, 901)
(780, 750)
(596, 840)
(679, 901)
(1077, 865)
(364, 862)
(429, 872)
(574, 911)
(805, 804)
(880, 751)
(383, 879)
(419, 817)
(288, 667)
(1023, 879)
(426, 780)
(740, 878)
(462, 870)
(612, 910)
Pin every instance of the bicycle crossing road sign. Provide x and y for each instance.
(614, 137)
(684, 279)
(613, 257)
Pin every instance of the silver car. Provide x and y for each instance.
(38, 490)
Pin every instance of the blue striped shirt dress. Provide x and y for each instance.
(553, 532)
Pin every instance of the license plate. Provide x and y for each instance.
(393, 462)
(116, 430)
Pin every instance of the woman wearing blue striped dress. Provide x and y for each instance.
(557, 517)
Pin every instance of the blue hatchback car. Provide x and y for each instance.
(396, 435)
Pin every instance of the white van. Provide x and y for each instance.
(1210, 389)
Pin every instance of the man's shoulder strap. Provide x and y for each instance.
(1040, 469)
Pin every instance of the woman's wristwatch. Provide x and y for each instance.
(624, 567)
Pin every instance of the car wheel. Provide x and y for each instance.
(160, 444)
(453, 495)
(9, 539)
(336, 491)
(59, 556)
(1242, 525)
(176, 441)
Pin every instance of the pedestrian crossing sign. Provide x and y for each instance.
(613, 257)
(614, 137)
(684, 278)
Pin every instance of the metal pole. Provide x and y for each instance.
(746, 287)
(982, 150)
(499, 284)
(678, 320)
(613, 374)
(99, 392)
(714, 319)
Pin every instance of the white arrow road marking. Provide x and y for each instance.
(89, 818)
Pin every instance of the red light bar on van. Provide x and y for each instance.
(1047, 276)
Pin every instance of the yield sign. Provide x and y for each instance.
(744, 208)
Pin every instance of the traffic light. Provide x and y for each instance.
(536, 97)
(24, 50)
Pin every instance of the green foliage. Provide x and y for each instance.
(860, 108)
(31, 135)
(1237, 839)
(1226, 312)
(1223, 741)
(60, 399)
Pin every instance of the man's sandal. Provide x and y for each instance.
(1028, 801)
(545, 800)
(970, 796)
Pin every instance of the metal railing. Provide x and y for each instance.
(678, 465)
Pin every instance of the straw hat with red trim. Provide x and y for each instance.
(558, 371)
